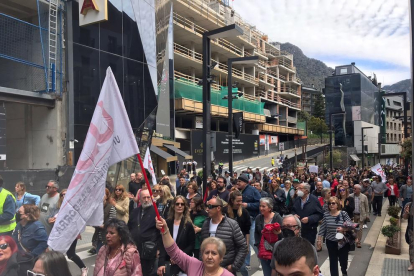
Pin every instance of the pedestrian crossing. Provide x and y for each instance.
(241, 168)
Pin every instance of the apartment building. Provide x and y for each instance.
(394, 119)
(309, 95)
(271, 91)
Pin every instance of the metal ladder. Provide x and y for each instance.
(53, 14)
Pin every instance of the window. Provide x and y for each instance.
(396, 103)
(395, 137)
(343, 71)
(388, 124)
(388, 137)
(399, 137)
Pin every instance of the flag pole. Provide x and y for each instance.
(149, 189)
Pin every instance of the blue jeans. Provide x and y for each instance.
(267, 269)
(251, 242)
(243, 271)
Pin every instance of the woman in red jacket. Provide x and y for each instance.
(392, 192)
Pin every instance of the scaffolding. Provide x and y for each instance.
(31, 55)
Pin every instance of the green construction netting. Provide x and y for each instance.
(192, 91)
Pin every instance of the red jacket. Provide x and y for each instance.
(333, 187)
(396, 191)
(268, 235)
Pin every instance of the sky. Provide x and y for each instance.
(374, 34)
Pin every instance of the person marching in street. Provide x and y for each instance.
(378, 188)
(8, 207)
(308, 209)
(360, 211)
(228, 230)
(23, 197)
(273, 161)
(393, 192)
(220, 167)
(408, 213)
(406, 192)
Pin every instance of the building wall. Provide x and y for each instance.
(35, 136)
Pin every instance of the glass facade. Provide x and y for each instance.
(115, 43)
(357, 90)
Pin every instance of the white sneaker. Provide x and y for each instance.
(260, 266)
(365, 226)
(84, 271)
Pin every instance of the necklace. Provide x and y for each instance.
(116, 253)
(211, 274)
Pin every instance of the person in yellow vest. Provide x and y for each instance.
(7, 211)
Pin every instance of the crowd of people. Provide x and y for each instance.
(284, 216)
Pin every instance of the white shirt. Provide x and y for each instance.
(175, 232)
(213, 229)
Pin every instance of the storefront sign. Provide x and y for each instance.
(92, 11)
(199, 122)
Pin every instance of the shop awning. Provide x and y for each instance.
(178, 151)
(163, 154)
(354, 157)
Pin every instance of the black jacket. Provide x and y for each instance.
(185, 241)
(349, 206)
(311, 209)
(279, 201)
(182, 190)
(259, 225)
(229, 232)
(143, 228)
(243, 221)
(18, 264)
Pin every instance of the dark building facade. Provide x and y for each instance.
(350, 90)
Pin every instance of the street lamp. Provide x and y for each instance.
(363, 146)
(227, 31)
(230, 62)
(330, 137)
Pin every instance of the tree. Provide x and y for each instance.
(319, 107)
(336, 156)
(317, 126)
(303, 116)
(406, 149)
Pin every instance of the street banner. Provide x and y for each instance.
(238, 122)
(313, 169)
(109, 140)
(377, 169)
(148, 165)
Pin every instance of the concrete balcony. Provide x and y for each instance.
(266, 127)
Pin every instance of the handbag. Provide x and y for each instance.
(149, 250)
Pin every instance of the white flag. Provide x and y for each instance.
(377, 169)
(109, 140)
(148, 165)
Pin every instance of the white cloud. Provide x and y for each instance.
(371, 30)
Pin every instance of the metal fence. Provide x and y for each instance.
(24, 52)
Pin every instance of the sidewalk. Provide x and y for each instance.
(386, 264)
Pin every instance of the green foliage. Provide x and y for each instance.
(394, 211)
(303, 116)
(317, 125)
(336, 156)
(393, 221)
(390, 230)
(319, 107)
(200, 174)
(406, 149)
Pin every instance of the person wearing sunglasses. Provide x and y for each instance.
(162, 195)
(347, 202)
(30, 234)
(120, 201)
(331, 228)
(228, 230)
(48, 203)
(50, 263)
(181, 227)
(71, 253)
(12, 261)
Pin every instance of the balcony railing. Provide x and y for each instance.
(189, 80)
(286, 102)
(289, 90)
(267, 79)
(204, 10)
(181, 50)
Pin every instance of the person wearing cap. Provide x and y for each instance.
(251, 201)
(227, 176)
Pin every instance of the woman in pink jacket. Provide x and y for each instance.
(212, 251)
(119, 257)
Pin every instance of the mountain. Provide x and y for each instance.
(309, 70)
(401, 86)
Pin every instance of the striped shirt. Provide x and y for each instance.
(330, 223)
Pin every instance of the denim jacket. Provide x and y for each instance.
(33, 237)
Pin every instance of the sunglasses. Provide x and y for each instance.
(49, 187)
(62, 195)
(179, 204)
(342, 190)
(31, 273)
(4, 246)
(210, 206)
(157, 191)
(332, 203)
(119, 190)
